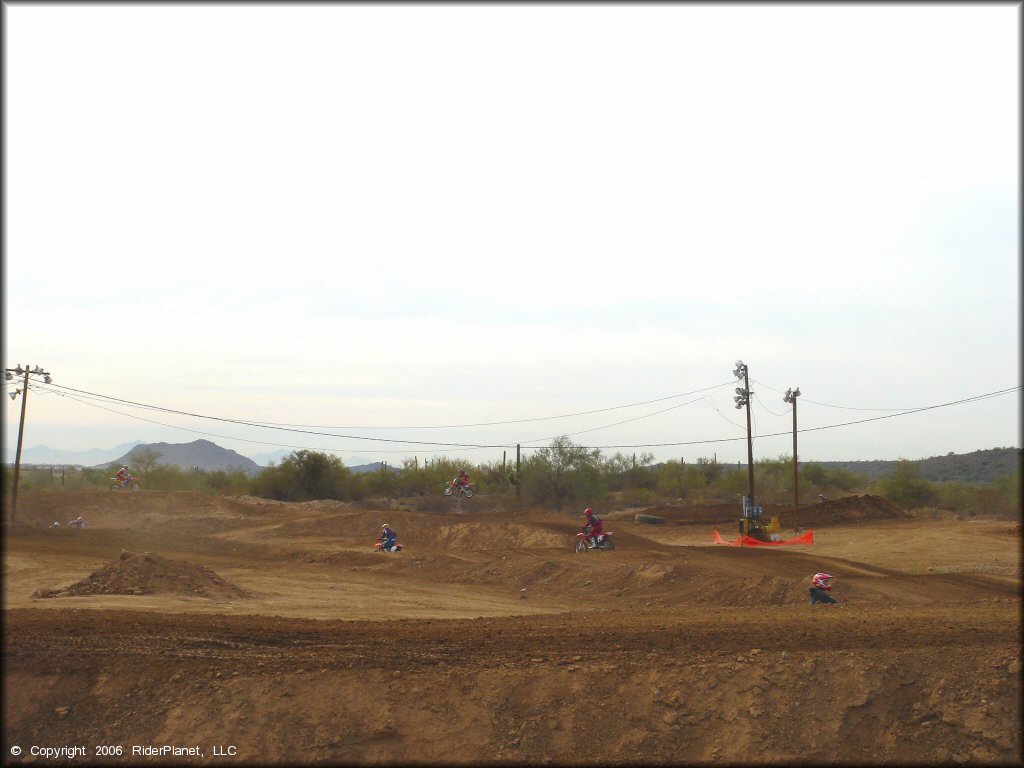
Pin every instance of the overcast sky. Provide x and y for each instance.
(388, 220)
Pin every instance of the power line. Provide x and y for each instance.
(250, 422)
(816, 429)
(506, 446)
(827, 405)
(231, 437)
(627, 421)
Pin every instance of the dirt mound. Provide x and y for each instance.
(149, 574)
(479, 535)
(848, 509)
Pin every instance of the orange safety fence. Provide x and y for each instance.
(749, 541)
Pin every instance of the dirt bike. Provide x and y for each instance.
(129, 484)
(379, 547)
(604, 542)
(463, 490)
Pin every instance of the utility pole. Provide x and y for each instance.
(791, 396)
(743, 399)
(9, 374)
(519, 477)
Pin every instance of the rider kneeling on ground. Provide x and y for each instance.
(388, 538)
(594, 527)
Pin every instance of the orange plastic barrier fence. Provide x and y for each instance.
(750, 541)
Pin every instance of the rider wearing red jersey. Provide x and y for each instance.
(594, 527)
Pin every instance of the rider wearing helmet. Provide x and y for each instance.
(820, 588)
(461, 480)
(123, 476)
(594, 528)
(78, 522)
(388, 538)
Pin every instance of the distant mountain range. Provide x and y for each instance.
(199, 454)
(982, 466)
(42, 454)
(180, 454)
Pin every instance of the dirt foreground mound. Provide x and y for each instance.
(149, 574)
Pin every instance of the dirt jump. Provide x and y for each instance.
(188, 629)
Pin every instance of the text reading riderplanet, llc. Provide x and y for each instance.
(71, 752)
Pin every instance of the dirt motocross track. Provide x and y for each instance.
(260, 632)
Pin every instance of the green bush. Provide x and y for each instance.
(305, 476)
(563, 473)
(905, 487)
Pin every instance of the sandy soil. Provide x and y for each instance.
(270, 633)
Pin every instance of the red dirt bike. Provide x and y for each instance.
(604, 542)
(379, 547)
(462, 490)
(128, 484)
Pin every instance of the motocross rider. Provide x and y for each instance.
(461, 480)
(123, 476)
(388, 537)
(594, 528)
(820, 588)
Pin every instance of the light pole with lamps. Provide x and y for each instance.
(9, 374)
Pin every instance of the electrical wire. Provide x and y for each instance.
(773, 413)
(250, 422)
(240, 439)
(606, 426)
(506, 446)
(975, 398)
(711, 404)
(827, 405)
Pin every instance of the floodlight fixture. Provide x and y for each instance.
(740, 391)
(8, 375)
(14, 394)
(19, 370)
(47, 379)
(739, 406)
(796, 392)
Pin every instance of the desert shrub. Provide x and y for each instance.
(905, 487)
(670, 479)
(304, 476)
(563, 473)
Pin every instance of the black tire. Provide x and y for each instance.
(607, 544)
(650, 519)
(115, 487)
(447, 490)
(581, 546)
(467, 493)
(134, 486)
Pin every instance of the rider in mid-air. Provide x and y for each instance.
(461, 480)
(594, 528)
